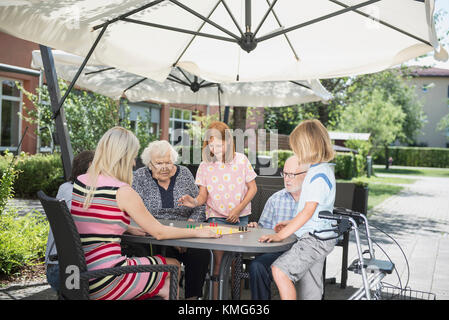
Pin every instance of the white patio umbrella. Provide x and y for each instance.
(232, 40)
(181, 87)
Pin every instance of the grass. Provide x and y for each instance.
(380, 192)
(386, 180)
(381, 188)
(415, 171)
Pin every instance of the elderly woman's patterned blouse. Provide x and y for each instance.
(163, 204)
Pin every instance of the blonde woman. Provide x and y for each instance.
(304, 261)
(226, 180)
(103, 204)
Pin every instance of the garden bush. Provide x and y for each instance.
(23, 240)
(414, 156)
(36, 172)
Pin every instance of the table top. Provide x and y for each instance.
(240, 242)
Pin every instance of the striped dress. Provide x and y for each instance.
(100, 227)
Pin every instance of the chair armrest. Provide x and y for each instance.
(138, 269)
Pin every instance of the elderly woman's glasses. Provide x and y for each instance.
(161, 165)
(291, 175)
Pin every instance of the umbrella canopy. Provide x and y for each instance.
(180, 86)
(232, 40)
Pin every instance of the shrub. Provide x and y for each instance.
(414, 156)
(36, 172)
(23, 239)
(8, 175)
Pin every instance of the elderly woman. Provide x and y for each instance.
(160, 184)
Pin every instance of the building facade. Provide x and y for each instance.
(432, 88)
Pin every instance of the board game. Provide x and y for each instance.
(219, 228)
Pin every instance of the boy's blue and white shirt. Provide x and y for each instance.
(318, 186)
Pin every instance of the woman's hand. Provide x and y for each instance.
(253, 225)
(270, 238)
(187, 201)
(136, 231)
(233, 216)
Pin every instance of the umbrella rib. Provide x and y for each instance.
(327, 16)
(301, 85)
(98, 71)
(149, 24)
(264, 17)
(185, 76)
(285, 35)
(193, 38)
(78, 73)
(383, 23)
(205, 19)
(232, 17)
(128, 14)
(135, 84)
(211, 84)
(178, 81)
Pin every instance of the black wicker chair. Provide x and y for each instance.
(73, 274)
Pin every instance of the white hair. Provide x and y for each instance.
(158, 148)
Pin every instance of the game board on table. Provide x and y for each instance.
(219, 228)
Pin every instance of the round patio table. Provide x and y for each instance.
(232, 245)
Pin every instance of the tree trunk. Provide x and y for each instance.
(239, 115)
(323, 112)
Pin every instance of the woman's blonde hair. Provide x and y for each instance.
(221, 131)
(311, 143)
(114, 157)
(158, 148)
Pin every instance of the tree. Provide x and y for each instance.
(89, 115)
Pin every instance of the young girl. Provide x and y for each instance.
(226, 181)
(304, 261)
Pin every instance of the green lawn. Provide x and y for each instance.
(381, 188)
(380, 192)
(415, 171)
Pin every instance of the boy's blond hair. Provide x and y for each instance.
(311, 143)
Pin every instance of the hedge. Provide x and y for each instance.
(347, 165)
(414, 156)
(44, 172)
(36, 172)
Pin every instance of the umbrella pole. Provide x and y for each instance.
(62, 133)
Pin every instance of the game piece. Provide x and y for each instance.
(171, 224)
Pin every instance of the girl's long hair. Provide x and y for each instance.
(114, 157)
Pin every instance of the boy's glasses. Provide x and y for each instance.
(291, 175)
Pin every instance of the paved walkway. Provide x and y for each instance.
(417, 218)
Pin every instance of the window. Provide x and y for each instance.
(10, 106)
(141, 111)
(179, 119)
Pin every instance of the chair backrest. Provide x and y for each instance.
(68, 245)
(266, 187)
(344, 195)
